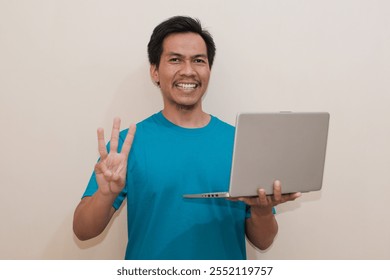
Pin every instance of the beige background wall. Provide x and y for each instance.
(68, 67)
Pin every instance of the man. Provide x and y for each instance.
(179, 150)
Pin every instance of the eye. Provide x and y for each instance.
(199, 60)
(174, 59)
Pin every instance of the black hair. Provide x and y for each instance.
(178, 24)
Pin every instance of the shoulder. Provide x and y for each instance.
(222, 125)
(143, 125)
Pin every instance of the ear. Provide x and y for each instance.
(154, 74)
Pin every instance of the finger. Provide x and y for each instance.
(246, 200)
(292, 196)
(296, 195)
(101, 143)
(100, 168)
(232, 199)
(115, 177)
(129, 140)
(117, 174)
(262, 197)
(115, 135)
(277, 197)
(108, 174)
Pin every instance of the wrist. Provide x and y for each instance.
(105, 197)
(262, 218)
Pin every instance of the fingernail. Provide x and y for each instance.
(261, 191)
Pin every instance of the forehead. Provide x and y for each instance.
(185, 44)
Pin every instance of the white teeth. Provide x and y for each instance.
(186, 86)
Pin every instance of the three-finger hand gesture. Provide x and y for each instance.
(112, 167)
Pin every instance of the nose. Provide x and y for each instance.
(187, 69)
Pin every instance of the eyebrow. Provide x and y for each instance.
(194, 56)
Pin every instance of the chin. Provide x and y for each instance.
(188, 101)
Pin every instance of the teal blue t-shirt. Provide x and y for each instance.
(165, 162)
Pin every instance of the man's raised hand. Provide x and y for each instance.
(112, 167)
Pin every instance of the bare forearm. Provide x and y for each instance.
(92, 215)
(261, 230)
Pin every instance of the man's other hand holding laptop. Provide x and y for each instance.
(262, 213)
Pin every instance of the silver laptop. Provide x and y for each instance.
(285, 146)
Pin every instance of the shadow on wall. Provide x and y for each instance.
(295, 205)
(252, 252)
(110, 244)
(134, 99)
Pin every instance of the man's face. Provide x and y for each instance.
(184, 70)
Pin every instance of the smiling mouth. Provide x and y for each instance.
(186, 86)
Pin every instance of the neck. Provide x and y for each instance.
(187, 117)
